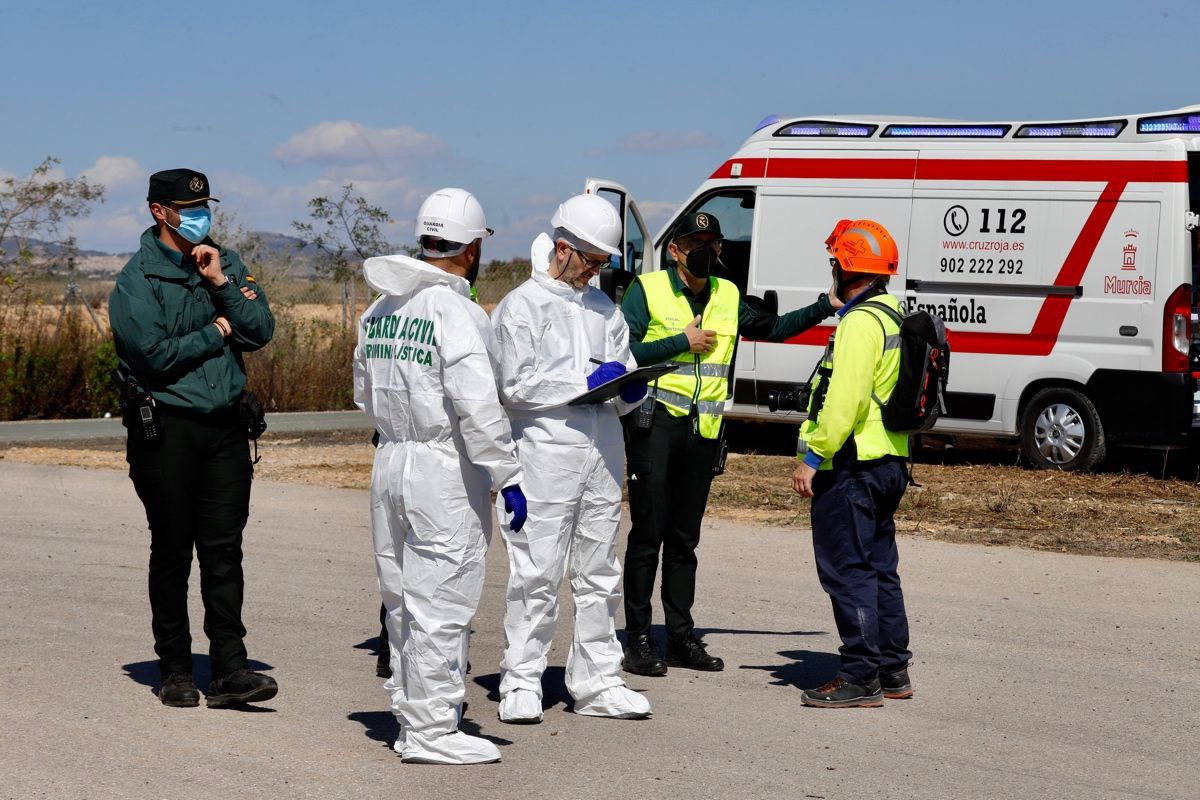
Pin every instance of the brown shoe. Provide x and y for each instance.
(896, 685)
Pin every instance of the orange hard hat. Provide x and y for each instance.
(863, 245)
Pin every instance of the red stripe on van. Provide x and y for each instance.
(1048, 324)
(751, 168)
(957, 169)
(1051, 170)
(848, 168)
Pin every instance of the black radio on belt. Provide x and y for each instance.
(139, 411)
(645, 413)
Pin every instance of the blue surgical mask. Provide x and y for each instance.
(194, 224)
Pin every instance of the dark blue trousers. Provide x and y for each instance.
(854, 542)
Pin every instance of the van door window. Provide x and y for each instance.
(1194, 207)
(1194, 198)
(616, 279)
(734, 209)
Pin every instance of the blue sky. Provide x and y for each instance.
(519, 102)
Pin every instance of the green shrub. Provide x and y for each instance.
(46, 367)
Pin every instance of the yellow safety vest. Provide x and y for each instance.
(871, 439)
(702, 383)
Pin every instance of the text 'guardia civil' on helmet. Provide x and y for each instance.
(451, 215)
(863, 245)
(592, 220)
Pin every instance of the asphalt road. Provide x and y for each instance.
(1037, 675)
(61, 430)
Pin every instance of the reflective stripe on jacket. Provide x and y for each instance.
(702, 382)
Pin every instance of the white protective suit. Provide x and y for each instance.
(424, 374)
(573, 458)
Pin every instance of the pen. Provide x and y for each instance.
(596, 361)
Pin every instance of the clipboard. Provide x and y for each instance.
(606, 391)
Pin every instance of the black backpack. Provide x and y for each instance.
(919, 397)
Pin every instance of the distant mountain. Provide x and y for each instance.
(272, 244)
(9, 248)
(281, 243)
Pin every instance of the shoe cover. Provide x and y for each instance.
(521, 706)
(618, 702)
(449, 748)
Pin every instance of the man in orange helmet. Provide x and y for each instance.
(853, 469)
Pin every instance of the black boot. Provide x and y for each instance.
(690, 653)
(178, 691)
(641, 657)
(241, 686)
(383, 655)
(383, 663)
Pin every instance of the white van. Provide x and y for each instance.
(1062, 256)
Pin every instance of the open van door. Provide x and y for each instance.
(637, 250)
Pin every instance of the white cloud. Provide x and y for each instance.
(112, 230)
(345, 142)
(656, 212)
(539, 200)
(116, 172)
(663, 141)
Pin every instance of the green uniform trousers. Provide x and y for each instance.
(670, 471)
(195, 485)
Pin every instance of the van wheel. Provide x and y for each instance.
(1061, 429)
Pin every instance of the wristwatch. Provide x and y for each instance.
(229, 281)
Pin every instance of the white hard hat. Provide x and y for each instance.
(453, 215)
(591, 219)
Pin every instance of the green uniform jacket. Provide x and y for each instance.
(161, 315)
(752, 324)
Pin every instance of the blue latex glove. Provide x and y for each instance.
(633, 391)
(514, 503)
(605, 373)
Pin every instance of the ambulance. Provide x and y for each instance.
(1062, 255)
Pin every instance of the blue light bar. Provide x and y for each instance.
(1071, 130)
(819, 128)
(948, 131)
(769, 120)
(1179, 123)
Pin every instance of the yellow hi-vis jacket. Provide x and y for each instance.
(864, 356)
(703, 380)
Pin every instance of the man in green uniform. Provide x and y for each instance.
(183, 312)
(687, 315)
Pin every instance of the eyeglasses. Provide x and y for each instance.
(688, 245)
(593, 263)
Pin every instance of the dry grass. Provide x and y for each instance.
(1122, 512)
(1112, 513)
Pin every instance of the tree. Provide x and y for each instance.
(345, 231)
(33, 212)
